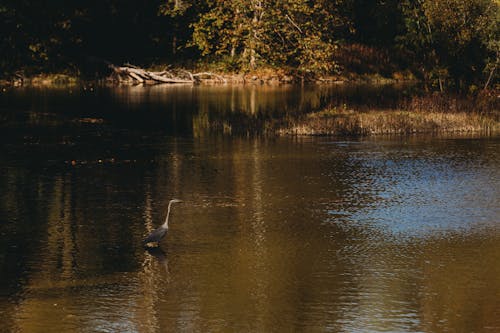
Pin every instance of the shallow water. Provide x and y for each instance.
(275, 234)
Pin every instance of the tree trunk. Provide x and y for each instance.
(490, 77)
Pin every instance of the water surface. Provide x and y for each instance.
(275, 234)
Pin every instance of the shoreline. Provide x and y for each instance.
(264, 76)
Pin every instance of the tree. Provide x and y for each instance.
(454, 40)
(251, 32)
(182, 14)
(39, 34)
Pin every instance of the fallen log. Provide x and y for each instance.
(133, 74)
(136, 77)
(168, 80)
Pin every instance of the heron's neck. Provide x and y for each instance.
(165, 225)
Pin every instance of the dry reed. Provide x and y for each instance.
(419, 115)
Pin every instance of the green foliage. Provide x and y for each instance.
(451, 43)
(58, 35)
(455, 41)
(279, 33)
(29, 39)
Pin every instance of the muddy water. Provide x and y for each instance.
(275, 234)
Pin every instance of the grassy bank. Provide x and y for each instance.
(351, 123)
(434, 114)
(261, 75)
(285, 75)
(41, 80)
(354, 62)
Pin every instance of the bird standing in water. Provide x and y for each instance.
(157, 235)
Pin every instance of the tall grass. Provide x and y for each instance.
(427, 114)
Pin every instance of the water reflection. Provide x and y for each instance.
(186, 110)
(409, 189)
(275, 234)
(160, 256)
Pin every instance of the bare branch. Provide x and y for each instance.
(293, 23)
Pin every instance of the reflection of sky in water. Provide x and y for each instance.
(418, 192)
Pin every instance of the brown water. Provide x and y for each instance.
(275, 234)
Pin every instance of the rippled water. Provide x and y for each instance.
(275, 234)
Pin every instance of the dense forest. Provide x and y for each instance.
(451, 44)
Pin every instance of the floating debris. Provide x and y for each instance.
(90, 120)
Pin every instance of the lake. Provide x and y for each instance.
(313, 234)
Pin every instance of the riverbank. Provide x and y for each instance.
(207, 73)
(429, 114)
(42, 80)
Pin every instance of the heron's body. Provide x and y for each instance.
(157, 235)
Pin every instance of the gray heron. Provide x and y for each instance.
(157, 235)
